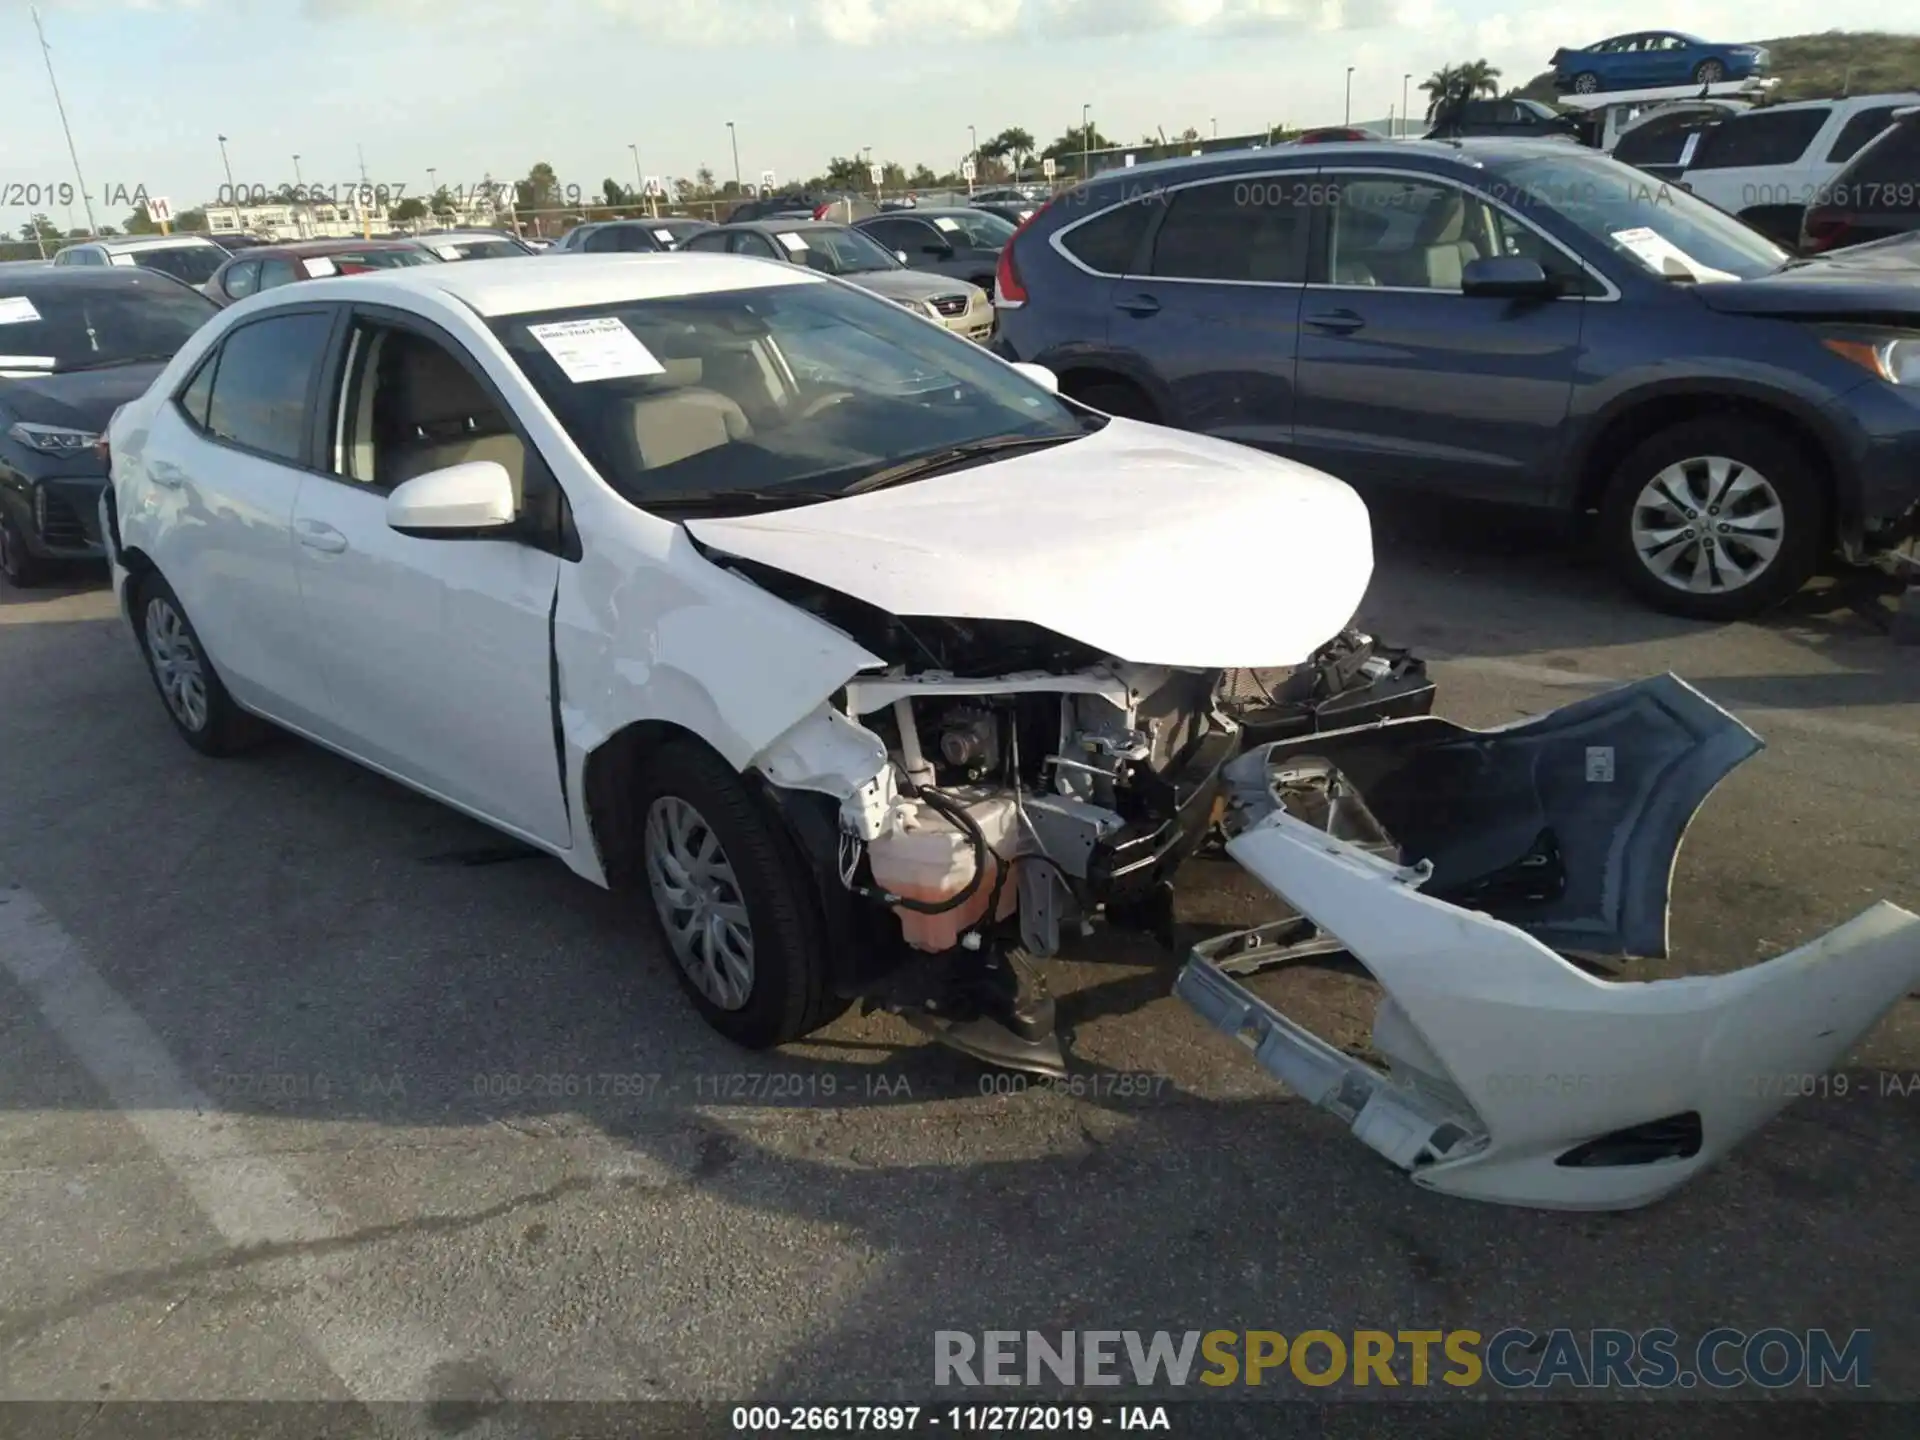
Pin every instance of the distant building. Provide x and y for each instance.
(323, 221)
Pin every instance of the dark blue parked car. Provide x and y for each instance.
(1653, 58)
(1521, 321)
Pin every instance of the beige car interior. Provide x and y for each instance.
(416, 409)
(1372, 244)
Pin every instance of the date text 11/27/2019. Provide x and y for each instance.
(954, 1419)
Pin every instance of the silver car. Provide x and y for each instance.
(856, 257)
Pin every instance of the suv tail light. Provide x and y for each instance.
(1008, 291)
(820, 211)
(1823, 229)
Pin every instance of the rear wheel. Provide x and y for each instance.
(1715, 519)
(1709, 72)
(21, 566)
(731, 900)
(206, 716)
(1112, 396)
(1586, 83)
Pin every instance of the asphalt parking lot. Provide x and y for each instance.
(311, 1090)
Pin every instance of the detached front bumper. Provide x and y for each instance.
(1460, 867)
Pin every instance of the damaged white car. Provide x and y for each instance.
(883, 668)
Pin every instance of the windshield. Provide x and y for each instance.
(379, 259)
(1638, 217)
(982, 230)
(837, 250)
(74, 327)
(736, 400)
(194, 264)
(476, 249)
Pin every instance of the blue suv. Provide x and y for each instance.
(1516, 321)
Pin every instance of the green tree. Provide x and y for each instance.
(409, 209)
(539, 191)
(39, 227)
(614, 193)
(190, 220)
(703, 181)
(1451, 84)
(442, 202)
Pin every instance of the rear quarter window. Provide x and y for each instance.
(1761, 137)
(1107, 243)
(1859, 130)
(1891, 162)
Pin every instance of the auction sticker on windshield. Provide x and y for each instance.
(1653, 250)
(598, 349)
(792, 241)
(17, 310)
(947, 223)
(446, 252)
(318, 266)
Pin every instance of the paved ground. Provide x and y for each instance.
(302, 1098)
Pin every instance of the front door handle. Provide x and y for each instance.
(324, 538)
(166, 475)
(1140, 305)
(1340, 322)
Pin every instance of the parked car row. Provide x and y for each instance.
(1514, 321)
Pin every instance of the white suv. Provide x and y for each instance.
(1769, 164)
(191, 259)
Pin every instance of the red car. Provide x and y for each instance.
(1331, 134)
(270, 265)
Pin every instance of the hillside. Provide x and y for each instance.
(1839, 61)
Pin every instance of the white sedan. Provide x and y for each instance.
(881, 667)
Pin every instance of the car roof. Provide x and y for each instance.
(333, 246)
(771, 223)
(1470, 152)
(81, 277)
(925, 211)
(127, 243)
(464, 235)
(527, 283)
(1854, 102)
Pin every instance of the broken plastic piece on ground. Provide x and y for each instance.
(1509, 1073)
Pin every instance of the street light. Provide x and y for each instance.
(1349, 111)
(973, 154)
(1216, 127)
(1406, 119)
(638, 179)
(46, 52)
(228, 168)
(734, 136)
(299, 191)
(1086, 138)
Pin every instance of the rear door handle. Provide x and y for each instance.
(166, 475)
(324, 538)
(1141, 305)
(1340, 322)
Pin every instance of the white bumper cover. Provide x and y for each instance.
(1506, 1072)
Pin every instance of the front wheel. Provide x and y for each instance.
(1709, 72)
(21, 566)
(732, 901)
(1586, 83)
(1715, 519)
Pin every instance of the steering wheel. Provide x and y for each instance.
(824, 402)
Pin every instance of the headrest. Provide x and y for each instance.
(434, 388)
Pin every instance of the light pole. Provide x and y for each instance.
(973, 154)
(433, 212)
(1216, 127)
(46, 52)
(639, 180)
(1086, 138)
(1406, 116)
(232, 198)
(1349, 110)
(733, 135)
(299, 191)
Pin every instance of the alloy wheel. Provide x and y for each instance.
(1586, 84)
(1711, 72)
(1708, 525)
(177, 664)
(697, 895)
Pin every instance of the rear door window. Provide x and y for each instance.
(1235, 230)
(1761, 137)
(1891, 164)
(264, 379)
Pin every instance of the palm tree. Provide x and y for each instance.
(1451, 84)
(1477, 77)
(1439, 89)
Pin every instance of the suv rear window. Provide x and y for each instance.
(1891, 163)
(1660, 142)
(1761, 137)
(1859, 130)
(1107, 243)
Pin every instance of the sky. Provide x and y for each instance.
(485, 88)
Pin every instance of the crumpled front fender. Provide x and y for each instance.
(1507, 1073)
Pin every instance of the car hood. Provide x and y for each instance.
(83, 399)
(1153, 546)
(1881, 280)
(907, 284)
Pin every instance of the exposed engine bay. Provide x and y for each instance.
(1031, 784)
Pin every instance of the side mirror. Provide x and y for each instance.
(1040, 375)
(938, 252)
(1506, 277)
(462, 502)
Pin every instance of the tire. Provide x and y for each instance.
(212, 723)
(1709, 72)
(1586, 83)
(686, 796)
(1715, 463)
(1120, 398)
(22, 568)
